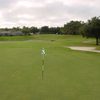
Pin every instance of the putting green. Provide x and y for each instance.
(68, 74)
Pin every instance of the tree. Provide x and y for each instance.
(92, 29)
(58, 31)
(16, 29)
(25, 30)
(54, 30)
(72, 27)
(34, 30)
(44, 29)
(82, 30)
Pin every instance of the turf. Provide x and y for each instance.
(69, 75)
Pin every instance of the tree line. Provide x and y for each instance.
(91, 28)
(32, 30)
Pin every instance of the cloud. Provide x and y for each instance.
(4, 4)
(46, 12)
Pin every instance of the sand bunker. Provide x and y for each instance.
(92, 49)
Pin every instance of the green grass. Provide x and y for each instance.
(15, 38)
(69, 75)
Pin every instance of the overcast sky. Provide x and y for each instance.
(46, 12)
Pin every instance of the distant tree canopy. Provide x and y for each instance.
(31, 30)
(91, 29)
(44, 29)
(25, 30)
(51, 30)
(55, 30)
(34, 30)
(72, 27)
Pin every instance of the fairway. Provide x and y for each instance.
(68, 75)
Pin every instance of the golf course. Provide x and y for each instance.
(68, 74)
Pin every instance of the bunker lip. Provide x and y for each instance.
(91, 49)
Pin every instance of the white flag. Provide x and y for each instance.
(43, 51)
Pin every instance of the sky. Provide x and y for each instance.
(19, 13)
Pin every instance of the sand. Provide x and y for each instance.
(91, 49)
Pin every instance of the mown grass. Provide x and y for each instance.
(15, 38)
(69, 75)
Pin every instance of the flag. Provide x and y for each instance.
(43, 51)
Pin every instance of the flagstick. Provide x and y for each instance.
(42, 74)
(43, 54)
(43, 67)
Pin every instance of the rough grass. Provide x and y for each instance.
(69, 75)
